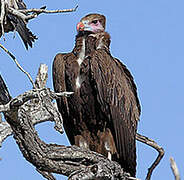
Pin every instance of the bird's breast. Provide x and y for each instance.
(80, 60)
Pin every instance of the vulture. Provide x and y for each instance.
(102, 113)
(13, 23)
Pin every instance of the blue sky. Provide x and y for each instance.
(147, 36)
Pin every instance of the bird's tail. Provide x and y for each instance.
(20, 26)
(26, 35)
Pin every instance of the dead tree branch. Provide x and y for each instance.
(18, 65)
(36, 12)
(2, 16)
(174, 169)
(33, 106)
(13, 13)
(40, 114)
(5, 131)
(48, 11)
(154, 145)
(52, 158)
(42, 76)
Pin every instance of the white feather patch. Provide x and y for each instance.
(78, 84)
(80, 60)
(82, 53)
(100, 45)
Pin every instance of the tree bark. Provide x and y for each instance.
(34, 106)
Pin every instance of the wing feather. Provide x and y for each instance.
(116, 93)
(58, 73)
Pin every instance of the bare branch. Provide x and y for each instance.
(13, 9)
(17, 13)
(38, 113)
(35, 12)
(48, 11)
(2, 16)
(18, 65)
(154, 145)
(53, 158)
(5, 108)
(174, 169)
(5, 131)
(42, 76)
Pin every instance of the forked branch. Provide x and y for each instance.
(52, 158)
(154, 145)
(17, 9)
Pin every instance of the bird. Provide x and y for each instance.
(104, 110)
(14, 23)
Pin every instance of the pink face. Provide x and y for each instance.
(93, 26)
(96, 26)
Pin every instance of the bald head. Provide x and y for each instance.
(92, 22)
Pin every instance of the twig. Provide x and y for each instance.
(35, 12)
(174, 169)
(154, 145)
(18, 65)
(2, 16)
(17, 13)
(47, 11)
(8, 7)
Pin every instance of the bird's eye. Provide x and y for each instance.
(94, 21)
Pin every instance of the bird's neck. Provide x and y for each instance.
(85, 44)
(88, 43)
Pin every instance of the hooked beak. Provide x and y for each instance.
(83, 26)
(80, 26)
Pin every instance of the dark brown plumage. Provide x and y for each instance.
(103, 112)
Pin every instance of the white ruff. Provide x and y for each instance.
(80, 60)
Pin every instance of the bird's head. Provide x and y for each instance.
(93, 23)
